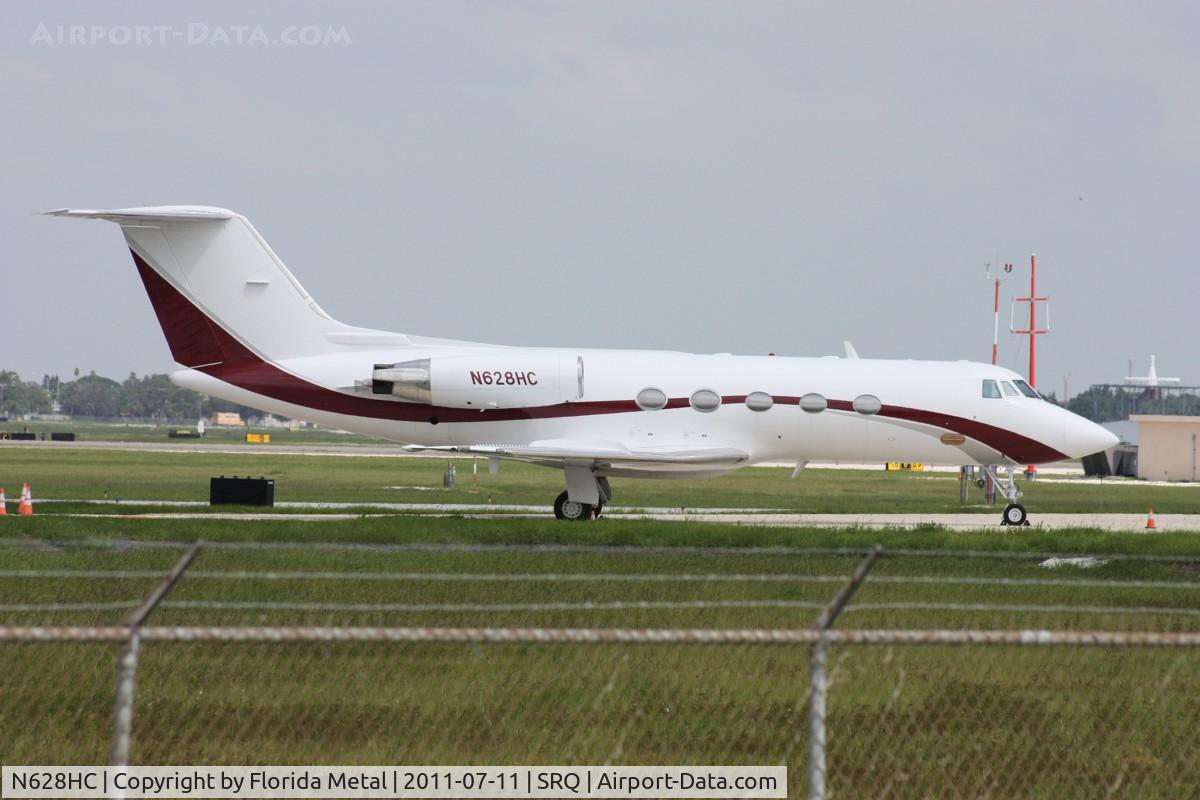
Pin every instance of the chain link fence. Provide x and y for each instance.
(936, 675)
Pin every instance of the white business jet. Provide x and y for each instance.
(243, 329)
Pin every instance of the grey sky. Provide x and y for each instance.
(743, 177)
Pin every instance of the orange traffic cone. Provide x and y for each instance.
(25, 507)
(1150, 526)
(3, 503)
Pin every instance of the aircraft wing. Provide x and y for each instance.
(1151, 381)
(680, 457)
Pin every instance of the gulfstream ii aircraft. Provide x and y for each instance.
(243, 329)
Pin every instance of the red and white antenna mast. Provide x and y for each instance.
(996, 277)
(1033, 330)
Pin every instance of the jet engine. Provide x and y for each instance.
(496, 380)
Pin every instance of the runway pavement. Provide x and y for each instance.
(957, 522)
(981, 521)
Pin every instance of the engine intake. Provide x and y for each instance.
(408, 380)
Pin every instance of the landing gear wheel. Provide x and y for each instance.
(596, 510)
(1014, 514)
(565, 508)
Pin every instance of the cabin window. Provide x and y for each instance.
(813, 403)
(759, 401)
(990, 389)
(651, 399)
(1026, 389)
(1009, 389)
(705, 400)
(867, 404)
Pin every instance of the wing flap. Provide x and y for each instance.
(602, 453)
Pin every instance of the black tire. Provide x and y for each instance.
(564, 508)
(1014, 514)
(597, 510)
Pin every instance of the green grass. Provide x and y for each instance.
(919, 721)
(409, 529)
(814, 580)
(903, 722)
(86, 474)
(146, 432)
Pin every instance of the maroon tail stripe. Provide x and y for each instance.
(189, 333)
(199, 342)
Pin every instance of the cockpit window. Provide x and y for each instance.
(990, 389)
(1009, 389)
(1026, 389)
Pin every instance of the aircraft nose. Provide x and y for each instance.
(1084, 437)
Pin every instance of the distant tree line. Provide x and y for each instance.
(149, 397)
(1108, 403)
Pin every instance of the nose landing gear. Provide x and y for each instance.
(1014, 512)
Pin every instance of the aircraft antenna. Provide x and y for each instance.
(995, 277)
(1033, 331)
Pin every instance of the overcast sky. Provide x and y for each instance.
(744, 177)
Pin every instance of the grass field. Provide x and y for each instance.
(87, 474)
(1044, 716)
(626, 547)
(146, 432)
(919, 721)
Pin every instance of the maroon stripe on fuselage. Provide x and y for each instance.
(1019, 448)
(201, 341)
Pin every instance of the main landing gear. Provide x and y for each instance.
(566, 508)
(585, 497)
(1014, 513)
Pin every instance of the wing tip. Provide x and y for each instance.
(146, 212)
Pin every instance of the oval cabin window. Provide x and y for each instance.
(867, 404)
(651, 399)
(759, 401)
(813, 403)
(705, 400)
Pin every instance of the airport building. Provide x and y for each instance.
(1167, 447)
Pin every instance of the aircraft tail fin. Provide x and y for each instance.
(215, 283)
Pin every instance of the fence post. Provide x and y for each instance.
(127, 661)
(818, 683)
(819, 676)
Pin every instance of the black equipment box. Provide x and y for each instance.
(241, 491)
